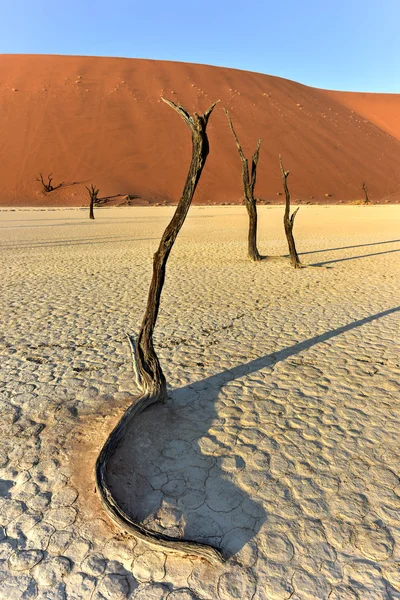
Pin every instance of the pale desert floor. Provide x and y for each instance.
(280, 442)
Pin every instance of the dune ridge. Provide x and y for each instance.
(100, 120)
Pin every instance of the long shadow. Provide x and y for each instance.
(133, 196)
(103, 199)
(76, 222)
(86, 242)
(275, 357)
(168, 471)
(35, 224)
(349, 247)
(328, 262)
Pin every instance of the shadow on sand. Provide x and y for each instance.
(328, 262)
(350, 247)
(76, 242)
(202, 498)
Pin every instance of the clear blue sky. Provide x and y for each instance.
(336, 44)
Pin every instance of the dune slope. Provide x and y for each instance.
(100, 120)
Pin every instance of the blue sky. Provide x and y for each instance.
(335, 44)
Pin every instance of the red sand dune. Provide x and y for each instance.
(100, 120)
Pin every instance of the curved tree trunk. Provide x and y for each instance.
(145, 361)
(249, 182)
(288, 220)
(148, 365)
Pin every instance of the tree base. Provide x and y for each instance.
(152, 538)
(255, 258)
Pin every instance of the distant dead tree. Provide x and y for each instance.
(288, 220)
(249, 181)
(93, 199)
(47, 186)
(365, 190)
(149, 374)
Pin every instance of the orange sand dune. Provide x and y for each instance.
(101, 120)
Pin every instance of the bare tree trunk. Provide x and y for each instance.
(249, 182)
(145, 361)
(252, 251)
(365, 190)
(93, 198)
(288, 220)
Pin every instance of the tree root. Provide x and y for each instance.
(154, 539)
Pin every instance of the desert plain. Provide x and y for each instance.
(279, 442)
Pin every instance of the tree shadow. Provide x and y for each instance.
(275, 357)
(76, 242)
(73, 222)
(168, 474)
(328, 262)
(350, 247)
(105, 199)
(178, 470)
(5, 487)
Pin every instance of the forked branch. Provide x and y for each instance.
(294, 215)
(149, 374)
(48, 187)
(288, 220)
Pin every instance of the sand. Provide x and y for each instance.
(100, 120)
(280, 441)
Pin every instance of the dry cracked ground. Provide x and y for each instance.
(280, 440)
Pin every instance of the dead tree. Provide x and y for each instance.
(365, 190)
(249, 182)
(93, 199)
(47, 186)
(149, 374)
(148, 366)
(288, 220)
